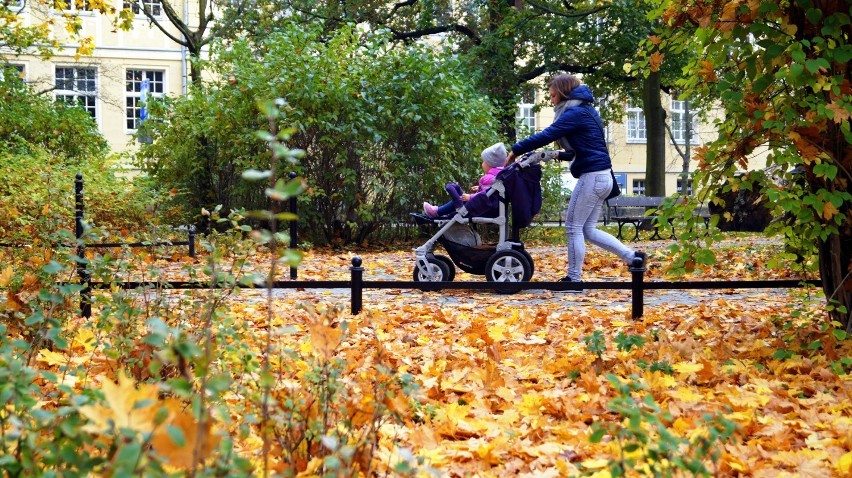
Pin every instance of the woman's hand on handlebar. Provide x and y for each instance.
(511, 158)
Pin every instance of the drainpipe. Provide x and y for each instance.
(183, 55)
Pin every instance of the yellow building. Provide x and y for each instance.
(107, 83)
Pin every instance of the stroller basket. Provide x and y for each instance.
(471, 259)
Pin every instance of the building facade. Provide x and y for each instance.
(108, 83)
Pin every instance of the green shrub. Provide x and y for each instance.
(382, 128)
(43, 145)
(37, 197)
(30, 123)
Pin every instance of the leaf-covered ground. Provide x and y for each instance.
(515, 388)
(511, 385)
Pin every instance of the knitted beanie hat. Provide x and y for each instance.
(495, 155)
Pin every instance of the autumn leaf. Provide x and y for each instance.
(181, 439)
(839, 112)
(125, 407)
(324, 340)
(656, 60)
(6, 276)
(828, 210)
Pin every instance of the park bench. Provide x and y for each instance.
(623, 210)
(633, 210)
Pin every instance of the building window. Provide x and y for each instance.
(688, 186)
(678, 114)
(635, 123)
(13, 70)
(73, 5)
(525, 117)
(133, 92)
(78, 86)
(638, 187)
(154, 7)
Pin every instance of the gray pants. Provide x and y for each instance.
(581, 220)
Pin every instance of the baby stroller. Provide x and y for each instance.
(517, 189)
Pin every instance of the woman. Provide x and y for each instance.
(579, 127)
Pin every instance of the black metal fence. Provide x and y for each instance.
(356, 284)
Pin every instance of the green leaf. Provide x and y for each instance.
(176, 434)
(796, 70)
(814, 65)
(256, 175)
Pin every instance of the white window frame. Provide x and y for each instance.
(155, 6)
(83, 90)
(635, 124)
(678, 114)
(132, 92)
(525, 115)
(638, 187)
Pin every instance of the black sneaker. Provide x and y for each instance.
(568, 279)
(639, 260)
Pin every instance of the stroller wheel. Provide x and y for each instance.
(530, 259)
(438, 271)
(508, 266)
(450, 266)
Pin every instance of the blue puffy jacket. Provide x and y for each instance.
(581, 125)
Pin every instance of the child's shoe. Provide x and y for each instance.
(430, 210)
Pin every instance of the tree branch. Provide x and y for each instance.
(568, 8)
(533, 73)
(397, 6)
(435, 30)
(174, 19)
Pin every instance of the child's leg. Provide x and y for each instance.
(447, 209)
(455, 192)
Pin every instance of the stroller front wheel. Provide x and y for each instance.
(508, 266)
(438, 271)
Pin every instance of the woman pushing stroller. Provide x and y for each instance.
(578, 127)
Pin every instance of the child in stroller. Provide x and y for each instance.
(493, 161)
(517, 188)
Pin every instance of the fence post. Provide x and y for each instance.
(192, 240)
(293, 228)
(357, 284)
(638, 291)
(82, 270)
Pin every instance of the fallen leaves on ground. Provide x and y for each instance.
(513, 388)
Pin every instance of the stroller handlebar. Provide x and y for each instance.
(536, 157)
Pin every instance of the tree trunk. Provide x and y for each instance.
(835, 252)
(655, 127)
(835, 255)
(498, 60)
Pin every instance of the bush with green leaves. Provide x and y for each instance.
(644, 442)
(31, 122)
(43, 145)
(383, 128)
